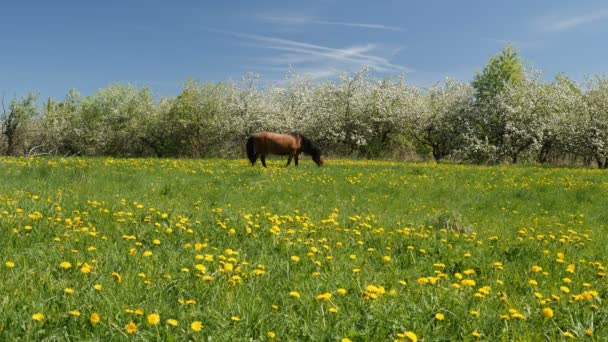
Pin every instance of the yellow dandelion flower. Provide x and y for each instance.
(65, 265)
(294, 294)
(153, 319)
(196, 326)
(439, 316)
(235, 318)
(271, 335)
(172, 322)
(9, 264)
(547, 313)
(38, 317)
(147, 254)
(68, 290)
(476, 334)
(131, 328)
(86, 268)
(74, 313)
(568, 334)
(98, 287)
(295, 258)
(116, 277)
(341, 291)
(94, 318)
(409, 336)
(324, 296)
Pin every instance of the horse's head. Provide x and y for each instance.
(317, 159)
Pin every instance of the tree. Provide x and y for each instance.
(20, 111)
(505, 68)
(438, 116)
(489, 124)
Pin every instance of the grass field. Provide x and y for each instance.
(147, 249)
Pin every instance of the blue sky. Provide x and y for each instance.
(53, 46)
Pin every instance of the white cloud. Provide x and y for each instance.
(304, 20)
(316, 60)
(554, 24)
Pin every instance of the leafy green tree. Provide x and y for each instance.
(502, 69)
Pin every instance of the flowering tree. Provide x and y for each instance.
(14, 120)
(438, 117)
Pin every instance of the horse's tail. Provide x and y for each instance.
(250, 150)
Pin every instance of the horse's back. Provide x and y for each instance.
(275, 143)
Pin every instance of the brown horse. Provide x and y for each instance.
(292, 144)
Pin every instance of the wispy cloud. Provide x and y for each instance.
(316, 60)
(305, 20)
(557, 24)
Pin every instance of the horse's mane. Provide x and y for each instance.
(308, 146)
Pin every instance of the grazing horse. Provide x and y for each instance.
(292, 144)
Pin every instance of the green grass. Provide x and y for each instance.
(415, 230)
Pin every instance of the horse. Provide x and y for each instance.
(291, 144)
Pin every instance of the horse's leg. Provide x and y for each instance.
(289, 160)
(256, 159)
(263, 159)
(296, 159)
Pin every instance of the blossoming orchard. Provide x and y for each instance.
(508, 113)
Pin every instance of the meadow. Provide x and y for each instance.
(166, 249)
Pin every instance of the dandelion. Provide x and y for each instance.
(324, 296)
(98, 287)
(94, 318)
(547, 313)
(196, 326)
(409, 336)
(9, 264)
(38, 317)
(271, 334)
(333, 309)
(172, 322)
(86, 268)
(65, 265)
(568, 334)
(235, 318)
(295, 258)
(476, 334)
(341, 291)
(116, 277)
(68, 290)
(439, 316)
(153, 319)
(294, 294)
(386, 258)
(131, 328)
(74, 313)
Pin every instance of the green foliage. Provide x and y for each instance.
(505, 68)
